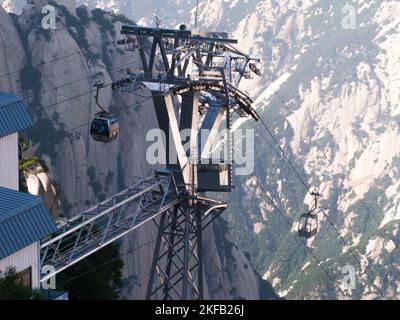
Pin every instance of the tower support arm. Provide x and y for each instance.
(212, 124)
(168, 123)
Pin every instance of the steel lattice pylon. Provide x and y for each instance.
(209, 95)
(177, 269)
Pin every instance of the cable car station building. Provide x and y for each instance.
(24, 219)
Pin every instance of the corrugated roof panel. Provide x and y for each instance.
(24, 219)
(14, 116)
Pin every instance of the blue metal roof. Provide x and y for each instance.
(24, 219)
(14, 116)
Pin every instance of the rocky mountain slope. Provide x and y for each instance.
(335, 112)
(55, 70)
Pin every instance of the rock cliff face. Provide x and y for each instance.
(39, 184)
(55, 70)
(12, 55)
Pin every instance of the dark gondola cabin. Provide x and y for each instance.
(308, 225)
(105, 127)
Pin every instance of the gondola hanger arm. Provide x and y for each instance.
(98, 86)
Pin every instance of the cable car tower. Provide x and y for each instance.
(194, 83)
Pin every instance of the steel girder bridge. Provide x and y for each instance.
(194, 81)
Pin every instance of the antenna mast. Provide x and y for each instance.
(196, 16)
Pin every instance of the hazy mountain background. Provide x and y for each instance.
(330, 95)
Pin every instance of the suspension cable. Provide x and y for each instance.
(115, 69)
(287, 220)
(42, 63)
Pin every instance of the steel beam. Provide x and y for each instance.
(177, 267)
(96, 228)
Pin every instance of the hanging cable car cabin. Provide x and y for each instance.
(308, 224)
(105, 125)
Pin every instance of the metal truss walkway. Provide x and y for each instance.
(110, 220)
